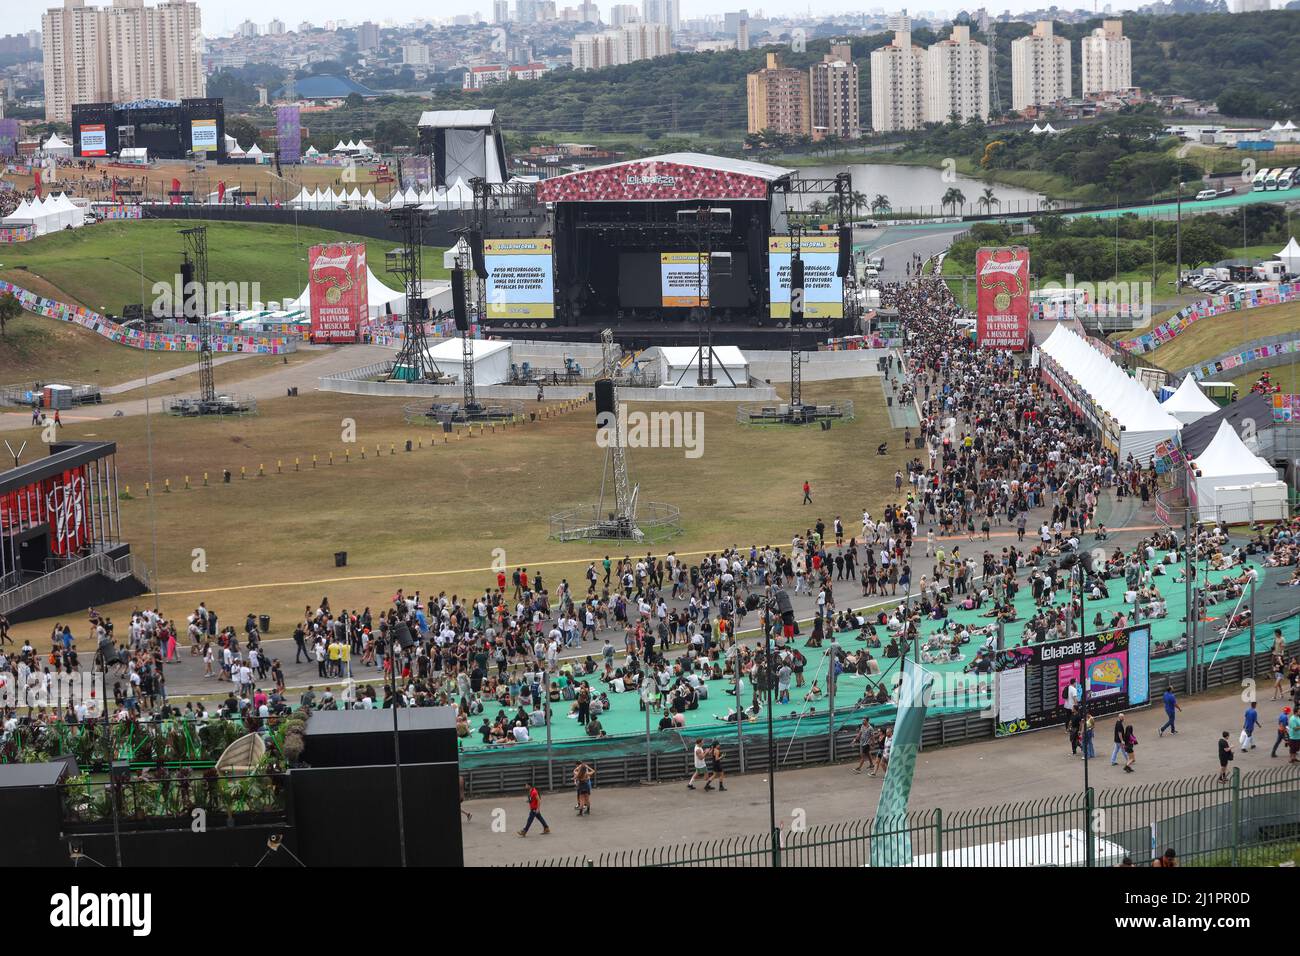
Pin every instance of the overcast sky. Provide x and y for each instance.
(221, 18)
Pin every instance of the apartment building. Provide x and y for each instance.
(956, 78)
(1107, 63)
(833, 94)
(778, 99)
(1040, 68)
(897, 85)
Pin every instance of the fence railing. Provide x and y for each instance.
(116, 569)
(1253, 820)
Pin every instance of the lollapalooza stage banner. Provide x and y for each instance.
(60, 501)
(340, 296)
(288, 133)
(1002, 297)
(1032, 680)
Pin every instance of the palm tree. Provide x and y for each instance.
(880, 203)
(857, 200)
(987, 200)
(954, 198)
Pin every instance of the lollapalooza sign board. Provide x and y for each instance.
(340, 299)
(1002, 297)
(61, 501)
(1116, 664)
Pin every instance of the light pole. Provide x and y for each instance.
(1178, 242)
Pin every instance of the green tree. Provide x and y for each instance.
(10, 308)
(880, 204)
(954, 198)
(988, 200)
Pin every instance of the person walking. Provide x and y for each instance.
(582, 775)
(1130, 745)
(807, 493)
(701, 767)
(1249, 723)
(1282, 720)
(863, 739)
(1293, 735)
(715, 768)
(1119, 740)
(1225, 757)
(534, 813)
(1171, 710)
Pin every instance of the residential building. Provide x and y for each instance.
(275, 28)
(621, 13)
(121, 53)
(367, 37)
(833, 94)
(500, 11)
(248, 29)
(629, 43)
(778, 99)
(666, 12)
(1040, 68)
(415, 54)
(956, 78)
(1107, 64)
(1249, 6)
(897, 85)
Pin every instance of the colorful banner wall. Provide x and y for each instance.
(340, 294)
(823, 290)
(135, 338)
(1002, 297)
(288, 129)
(1215, 305)
(520, 278)
(1286, 408)
(1211, 370)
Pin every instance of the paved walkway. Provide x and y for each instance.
(135, 383)
(986, 773)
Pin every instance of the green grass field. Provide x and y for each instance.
(1213, 336)
(37, 349)
(106, 266)
(431, 518)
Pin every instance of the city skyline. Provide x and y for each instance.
(223, 19)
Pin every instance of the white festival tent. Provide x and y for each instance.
(1188, 403)
(381, 299)
(1290, 256)
(679, 365)
(1138, 418)
(1036, 129)
(339, 147)
(491, 359)
(1233, 484)
(312, 151)
(254, 152)
(55, 146)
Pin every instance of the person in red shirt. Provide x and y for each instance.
(501, 581)
(807, 493)
(534, 813)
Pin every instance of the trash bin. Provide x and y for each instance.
(890, 400)
(225, 475)
(920, 441)
(264, 623)
(408, 444)
(340, 559)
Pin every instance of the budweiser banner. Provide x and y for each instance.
(340, 298)
(1002, 297)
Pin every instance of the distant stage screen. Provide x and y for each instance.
(823, 289)
(203, 135)
(644, 281)
(521, 280)
(94, 141)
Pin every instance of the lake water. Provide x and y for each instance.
(920, 189)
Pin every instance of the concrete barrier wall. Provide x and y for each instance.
(817, 366)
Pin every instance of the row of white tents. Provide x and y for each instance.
(1045, 128)
(456, 196)
(359, 148)
(1232, 482)
(51, 214)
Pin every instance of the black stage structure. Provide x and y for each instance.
(612, 226)
(168, 129)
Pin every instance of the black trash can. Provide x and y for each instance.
(264, 623)
(225, 475)
(890, 400)
(340, 559)
(408, 444)
(920, 442)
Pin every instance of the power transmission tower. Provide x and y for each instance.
(196, 251)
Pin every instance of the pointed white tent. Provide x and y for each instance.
(457, 196)
(1288, 125)
(381, 298)
(397, 200)
(236, 151)
(312, 151)
(1188, 403)
(354, 197)
(338, 147)
(1290, 256)
(369, 201)
(411, 196)
(254, 152)
(1036, 129)
(1049, 128)
(1233, 484)
(362, 147)
(56, 146)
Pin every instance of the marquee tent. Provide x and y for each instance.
(1129, 411)
(1233, 484)
(1188, 402)
(55, 146)
(491, 359)
(1290, 256)
(679, 365)
(312, 151)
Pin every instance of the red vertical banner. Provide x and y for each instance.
(176, 191)
(37, 184)
(67, 508)
(340, 298)
(1002, 297)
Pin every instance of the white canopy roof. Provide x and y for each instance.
(1188, 402)
(338, 147)
(254, 150)
(1290, 256)
(312, 151)
(1141, 418)
(55, 142)
(1288, 125)
(377, 294)
(1036, 129)
(1227, 457)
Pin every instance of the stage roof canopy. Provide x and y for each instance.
(672, 177)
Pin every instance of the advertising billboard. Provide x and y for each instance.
(520, 278)
(1002, 297)
(203, 135)
(683, 280)
(340, 297)
(823, 290)
(61, 501)
(9, 135)
(288, 131)
(94, 141)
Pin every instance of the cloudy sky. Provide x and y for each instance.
(221, 18)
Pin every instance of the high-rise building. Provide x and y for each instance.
(662, 11)
(621, 13)
(588, 12)
(500, 11)
(125, 52)
(777, 98)
(248, 29)
(415, 54)
(833, 94)
(306, 27)
(275, 28)
(367, 37)
(1107, 64)
(956, 78)
(526, 11)
(897, 85)
(1040, 68)
(899, 23)
(1249, 6)
(629, 43)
